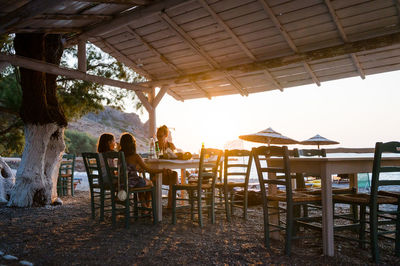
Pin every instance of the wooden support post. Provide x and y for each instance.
(152, 114)
(82, 55)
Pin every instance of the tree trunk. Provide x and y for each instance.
(7, 180)
(44, 120)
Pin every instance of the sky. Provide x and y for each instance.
(355, 112)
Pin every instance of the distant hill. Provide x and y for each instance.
(113, 121)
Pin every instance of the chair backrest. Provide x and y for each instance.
(283, 175)
(67, 165)
(91, 161)
(312, 152)
(384, 148)
(237, 167)
(208, 165)
(116, 169)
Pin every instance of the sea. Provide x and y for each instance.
(364, 179)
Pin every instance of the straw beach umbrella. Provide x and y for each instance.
(268, 136)
(318, 140)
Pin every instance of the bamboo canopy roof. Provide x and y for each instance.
(206, 48)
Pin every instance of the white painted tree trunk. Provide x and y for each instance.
(36, 172)
(7, 180)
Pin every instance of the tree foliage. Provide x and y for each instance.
(78, 142)
(76, 97)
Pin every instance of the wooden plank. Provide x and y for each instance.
(131, 17)
(233, 14)
(301, 14)
(341, 4)
(228, 30)
(308, 22)
(329, 52)
(369, 16)
(362, 8)
(292, 6)
(198, 24)
(318, 41)
(382, 69)
(170, 39)
(313, 31)
(339, 76)
(23, 13)
(223, 5)
(238, 21)
(149, 29)
(41, 66)
(383, 23)
(312, 74)
(336, 70)
(196, 13)
(251, 27)
(262, 35)
(381, 62)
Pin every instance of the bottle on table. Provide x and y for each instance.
(158, 154)
(152, 148)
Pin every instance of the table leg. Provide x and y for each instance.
(158, 185)
(183, 181)
(274, 219)
(327, 212)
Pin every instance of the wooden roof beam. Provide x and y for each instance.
(276, 83)
(126, 18)
(45, 67)
(195, 47)
(278, 25)
(312, 74)
(175, 95)
(343, 34)
(228, 30)
(73, 16)
(163, 58)
(286, 36)
(124, 59)
(309, 56)
(29, 10)
(120, 2)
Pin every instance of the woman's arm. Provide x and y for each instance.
(144, 166)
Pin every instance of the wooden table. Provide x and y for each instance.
(171, 164)
(325, 168)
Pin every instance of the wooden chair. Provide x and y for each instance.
(66, 175)
(130, 206)
(279, 190)
(100, 193)
(237, 164)
(202, 189)
(378, 216)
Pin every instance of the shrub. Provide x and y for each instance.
(77, 142)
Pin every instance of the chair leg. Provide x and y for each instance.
(127, 211)
(173, 205)
(154, 206)
(191, 202)
(266, 222)
(113, 213)
(102, 196)
(72, 186)
(361, 233)
(289, 229)
(228, 215)
(373, 217)
(397, 240)
(245, 203)
(199, 209)
(212, 206)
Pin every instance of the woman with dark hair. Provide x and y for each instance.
(171, 177)
(105, 143)
(135, 163)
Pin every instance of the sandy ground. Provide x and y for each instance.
(66, 235)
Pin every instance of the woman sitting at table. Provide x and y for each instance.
(135, 163)
(105, 143)
(165, 146)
